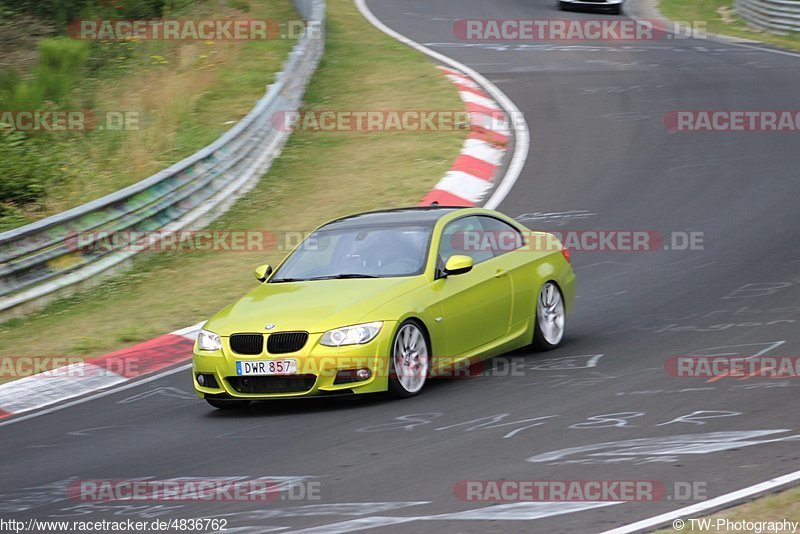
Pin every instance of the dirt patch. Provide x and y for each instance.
(19, 39)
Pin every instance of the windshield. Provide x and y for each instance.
(358, 252)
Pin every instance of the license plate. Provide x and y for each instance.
(266, 367)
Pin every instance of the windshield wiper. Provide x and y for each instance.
(343, 276)
(327, 277)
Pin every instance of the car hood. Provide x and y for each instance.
(313, 306)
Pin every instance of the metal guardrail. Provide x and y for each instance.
(777, 16)
(41, 258)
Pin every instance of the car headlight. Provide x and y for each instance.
(351, 335)
(208, 341)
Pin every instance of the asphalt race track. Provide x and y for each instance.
(601, 159)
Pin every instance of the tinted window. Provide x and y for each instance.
(385, 251)
(499, 237)
(462, 237)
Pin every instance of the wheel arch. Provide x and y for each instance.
(420, 323)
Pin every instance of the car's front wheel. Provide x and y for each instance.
(410, 360)
(551, 318)
(228, 404)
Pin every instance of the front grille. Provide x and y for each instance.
(247, 343)
(285, 342)
(272, 384)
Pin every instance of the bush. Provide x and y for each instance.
(64, 11)
(61, 61)
(57, 10)
(60, 65)
(27, 169)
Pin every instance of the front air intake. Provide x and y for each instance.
(263, 385)
(286, 342)
(247, 343)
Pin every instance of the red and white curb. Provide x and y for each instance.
(466, 184)
(473, 173)
(58, 385)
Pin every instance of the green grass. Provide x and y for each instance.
(60, 64)
(720, 17)
(185, 95)
(319, 176)
(771, 508)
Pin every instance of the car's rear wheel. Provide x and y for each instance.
(551, 318)
(410, 360)
(222, 404)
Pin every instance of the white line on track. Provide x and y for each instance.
(515, 168)
(744, 494)
(521, 147)
(717, 503)
(521, 132)
(102, 393)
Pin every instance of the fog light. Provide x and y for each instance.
(363, 374)
(207, 380)
(348, 376)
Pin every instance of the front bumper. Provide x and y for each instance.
(603, 4)
(317, 368)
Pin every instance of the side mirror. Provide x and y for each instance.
(262, 272)
(458, 265)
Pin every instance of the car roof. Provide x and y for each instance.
(422, 215)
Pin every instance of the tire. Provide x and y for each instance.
(550, 318)
(221, 404)
(411, 355)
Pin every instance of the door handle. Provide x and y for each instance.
(500, 273)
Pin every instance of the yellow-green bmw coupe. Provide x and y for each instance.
(382, 301)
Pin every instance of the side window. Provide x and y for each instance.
(462, 236)
(500, 237)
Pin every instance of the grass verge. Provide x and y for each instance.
(721, 18)
(319, 176)
(772, 508)
(183, 94)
